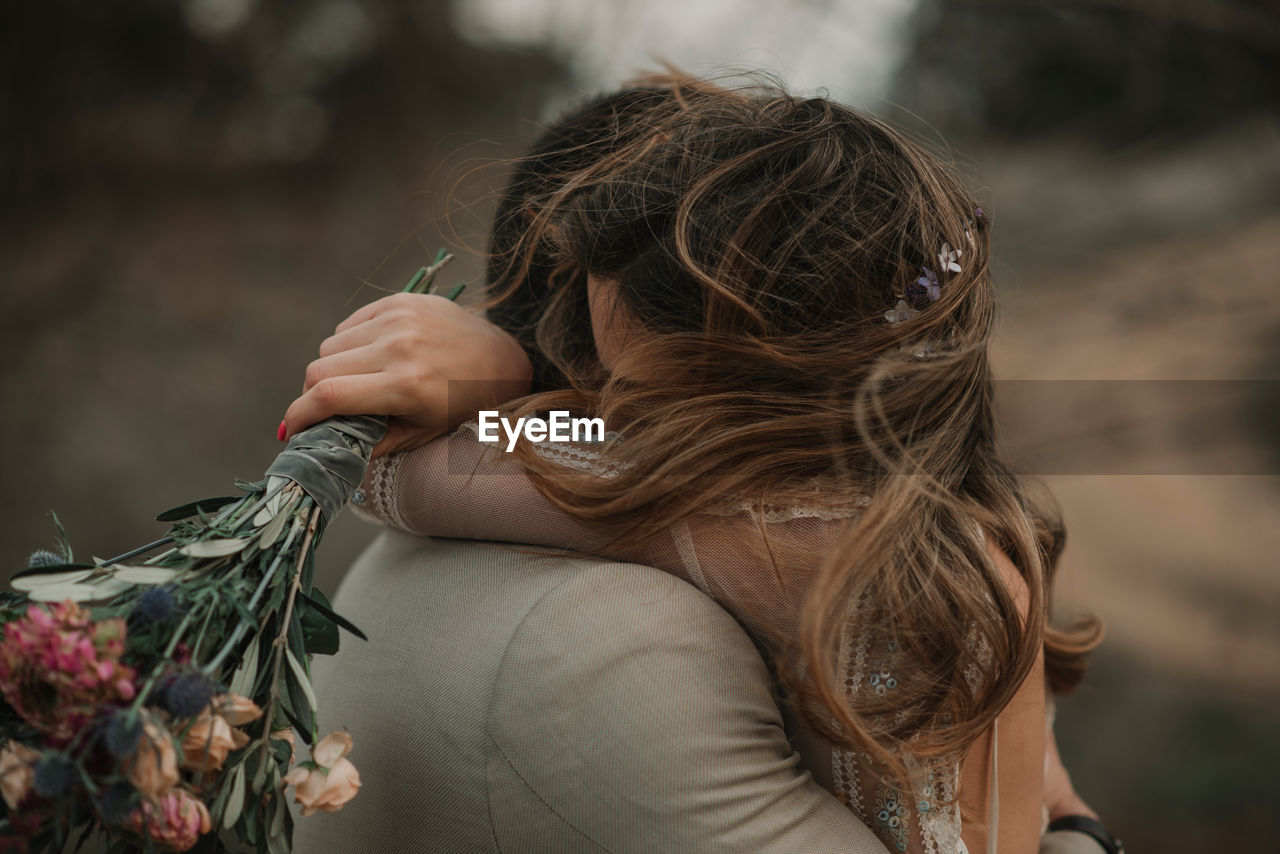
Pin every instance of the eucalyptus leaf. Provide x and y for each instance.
(247, 673)
(214, 548)
(235, 800)
(204, 505)
(145, 574)
(62, 593)
(272, 530)
(260, 776)
(83, 591)
(277, 820)
(304, 681)
(25, 582)
(249, 821)
(37, 571)
(239, 607)
(277, 845)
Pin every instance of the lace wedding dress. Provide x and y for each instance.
(458, 487)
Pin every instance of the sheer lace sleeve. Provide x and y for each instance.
(457, 486)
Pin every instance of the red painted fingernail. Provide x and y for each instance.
(282, 431)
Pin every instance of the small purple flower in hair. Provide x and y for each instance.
(928, 284)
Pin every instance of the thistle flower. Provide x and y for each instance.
(187, 695)
(116, 803)
(57, 667)
(44, 557)
(122, 734)
(53, 775)
(154, 606)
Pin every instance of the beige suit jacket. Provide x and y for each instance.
(511, 699)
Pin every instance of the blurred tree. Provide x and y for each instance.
(97, 92)
(1115, 70)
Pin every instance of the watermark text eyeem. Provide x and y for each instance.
(559, 427)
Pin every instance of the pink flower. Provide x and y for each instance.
(332, 782)
(58, 666)
(175, 822)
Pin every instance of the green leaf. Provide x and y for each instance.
(260, 775)
(214, 548)
(48, 570)
(304, 681)
(204, 505)
(323, 639)
(249, 821)
(235, 800)
(319, 632)
(282, 750)
(302, 731)
(145, 574)
(219, 805)
(78, 586)
(37, 581)
(242, 681)
(318, 601)
(277, 818)
(272, 530)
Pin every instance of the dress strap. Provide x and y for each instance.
(993, 791)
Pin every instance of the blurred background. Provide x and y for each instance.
(192, 194)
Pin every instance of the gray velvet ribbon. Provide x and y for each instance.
(328, 460)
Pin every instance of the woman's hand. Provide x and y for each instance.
(425, 361)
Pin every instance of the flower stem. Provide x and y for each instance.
(282, 636)
(253, 602)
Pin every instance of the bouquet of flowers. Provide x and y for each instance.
(156, 701)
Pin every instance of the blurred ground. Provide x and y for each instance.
(165, 281)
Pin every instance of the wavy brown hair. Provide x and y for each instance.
(759, 238)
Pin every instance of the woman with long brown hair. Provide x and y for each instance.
(780, 310)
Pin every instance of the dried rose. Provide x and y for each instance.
(236, 709)
(175, 822)
(17, 772)
(332, 782)
(208, 741)
(153, 767)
